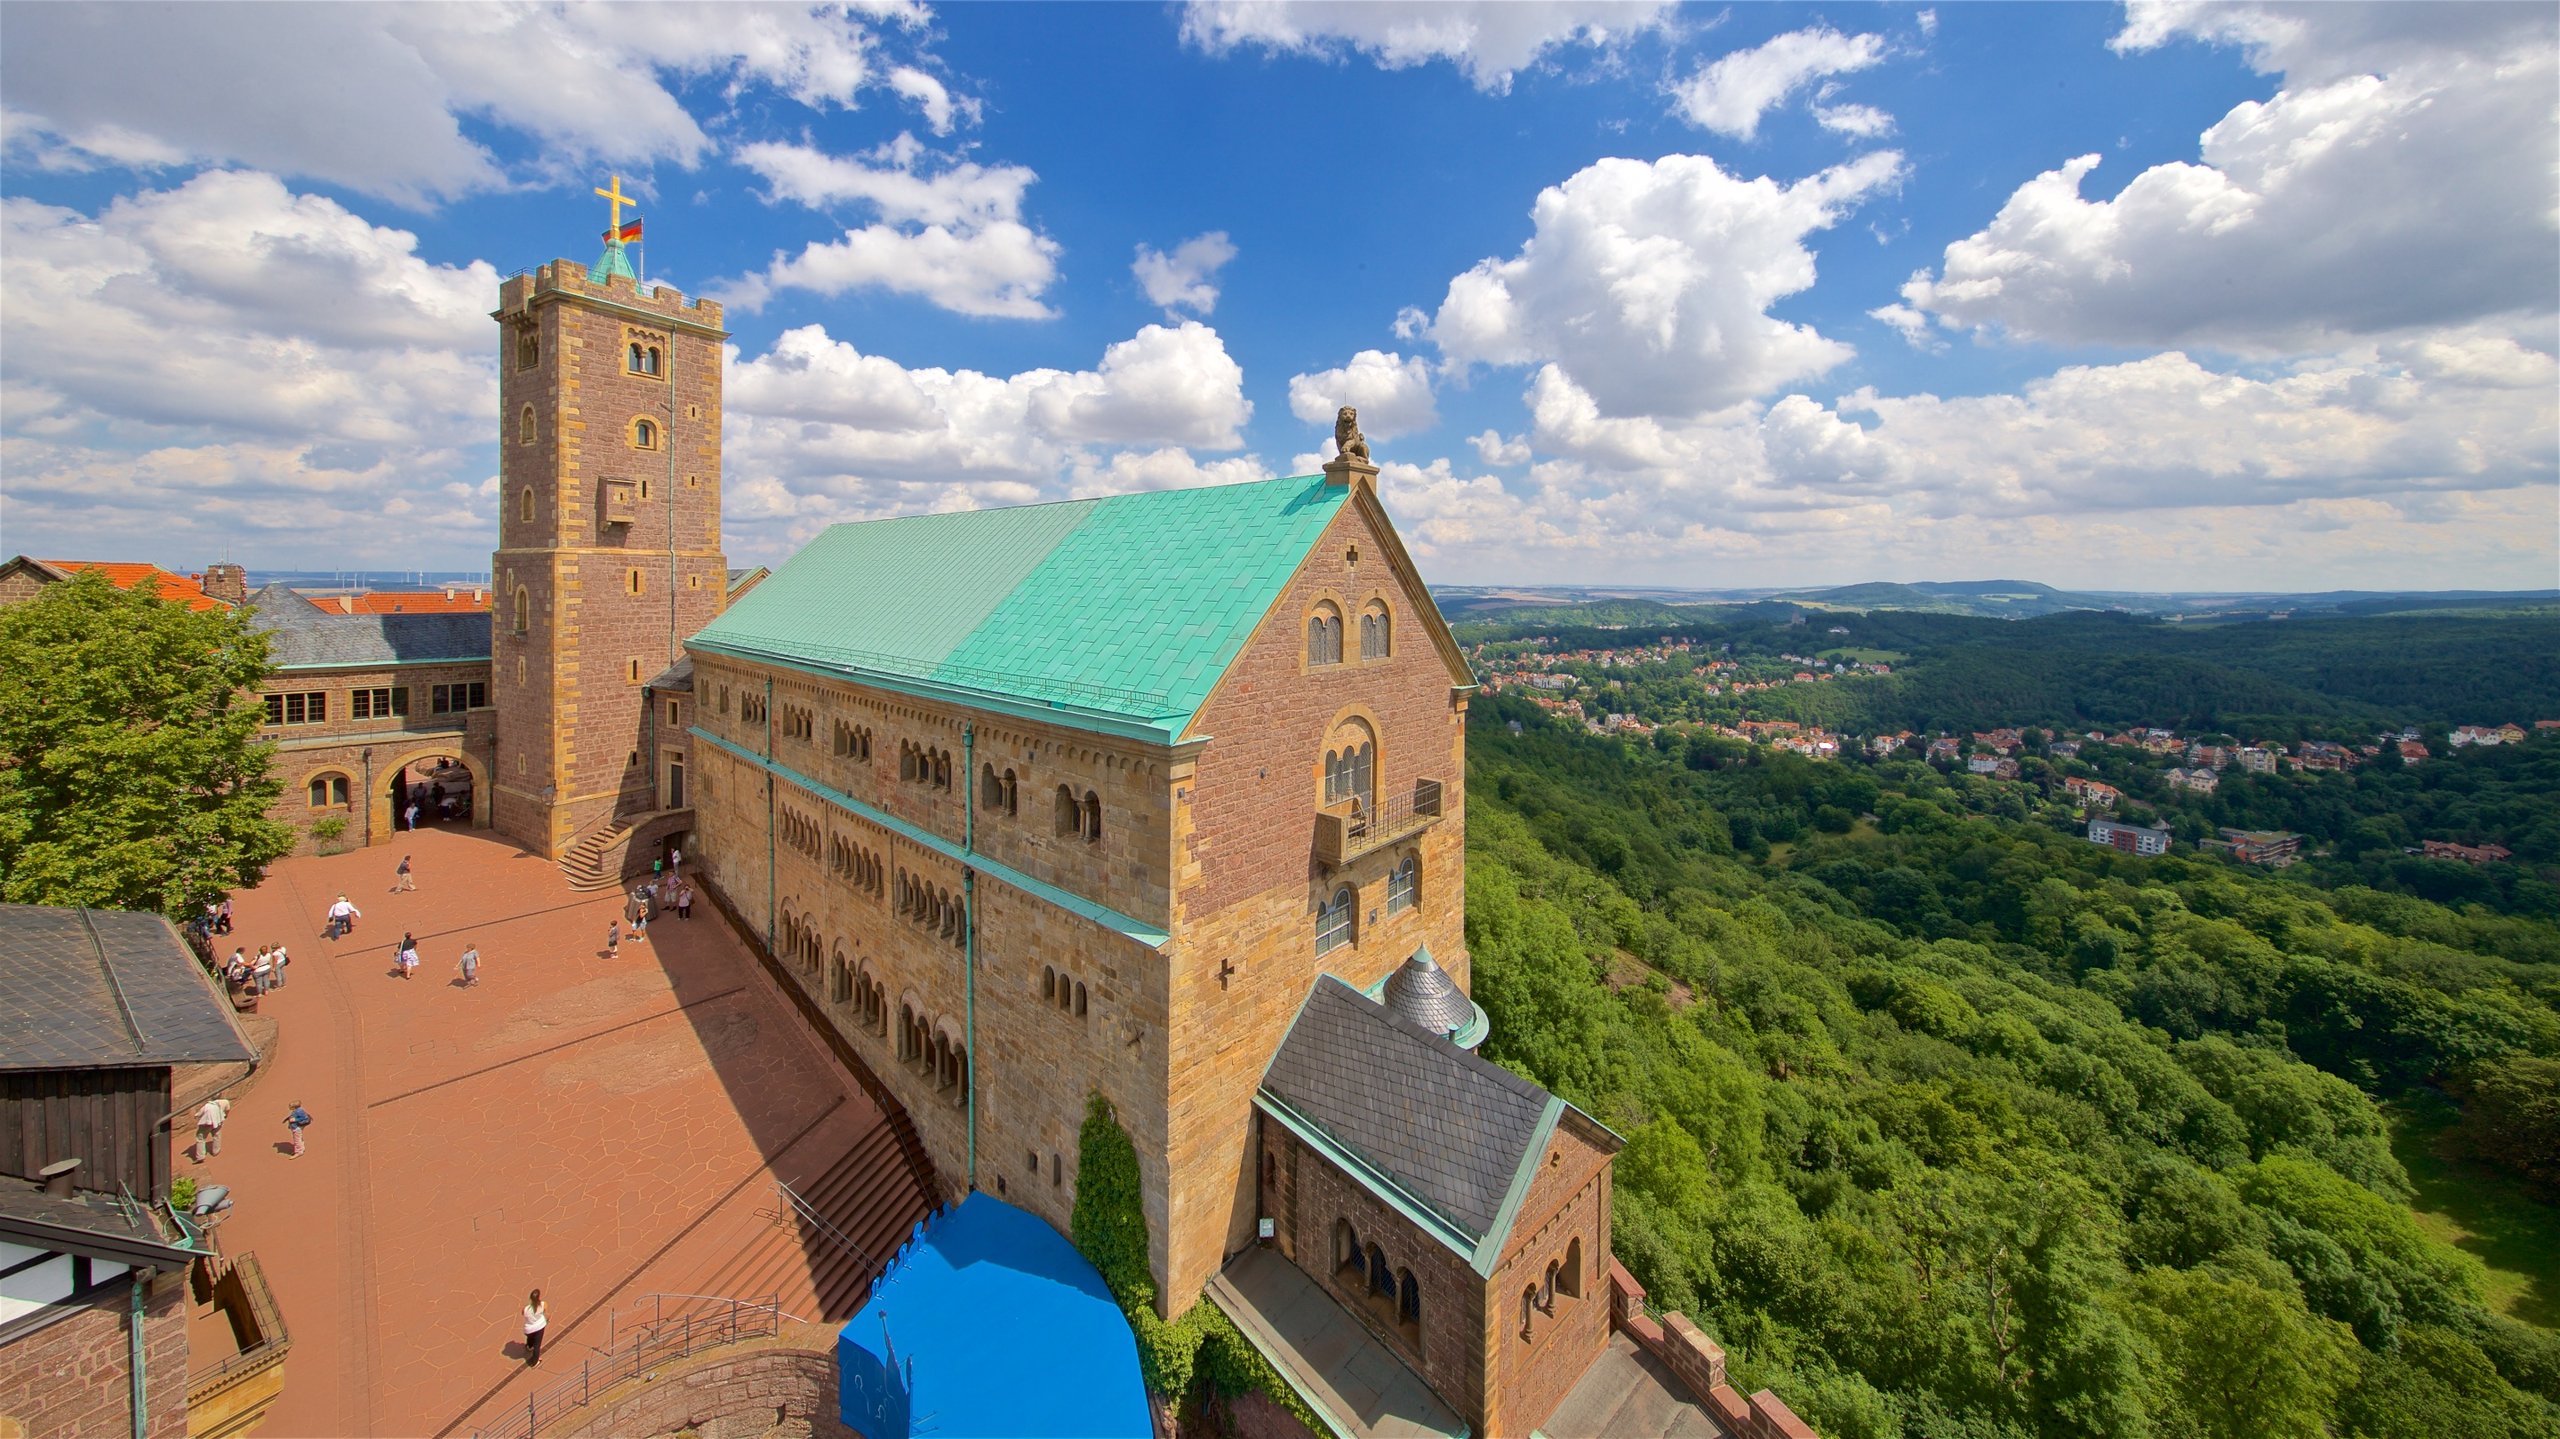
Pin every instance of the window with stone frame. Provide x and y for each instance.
(851, 741)
(1404, 887)
(1376, 631)
(644, 434)
(799, 723)
(997, 790)
(299, 707)
(642, 358)
(457, 698)
(528, 347)
(524, 609)
(524, 505)
(525, 426)
(1337, 922)
(1350, 767)
(1324, 634)
(328, 790)
(378, 702)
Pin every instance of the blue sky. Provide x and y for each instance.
(2148, 298)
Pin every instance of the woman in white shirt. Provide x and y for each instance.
(536, 1319)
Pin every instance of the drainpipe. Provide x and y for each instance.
(671, 497)
(969, 929)
(141, 1406)
(770, 854)
(368, 796)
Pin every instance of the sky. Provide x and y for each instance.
(2156, 297)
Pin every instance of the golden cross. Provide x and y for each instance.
(619, 200)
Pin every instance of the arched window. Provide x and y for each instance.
(1547, 1291)
(644, 434)
(842, 988)
(1324, 634)
(1092, 817)
(1350, 767)
(1048, 984)
(1069, 813)
(650, 356)
(1528, 1310)
(1569, 1278)
(528, 348)
(524, 505)
(327, 790)
(524, 609)
(631, 357)
(1079, 999)
(1346, 1247)
(524, 426)
(1382, 1280)
(1404, 887)
(1376, 637)
(1334, 922)
(1408, 1301)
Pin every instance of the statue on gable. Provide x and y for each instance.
(1347, 437)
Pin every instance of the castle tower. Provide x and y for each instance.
(608, 530)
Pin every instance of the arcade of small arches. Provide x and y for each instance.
(921, 764)
(1062, 991)
(1563, 1278)
(1393, 1294)
(931, 908)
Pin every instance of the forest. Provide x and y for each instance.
(1951, 1125)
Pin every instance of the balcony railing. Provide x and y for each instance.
(1348, 830)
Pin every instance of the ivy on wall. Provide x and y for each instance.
(1186, 1359)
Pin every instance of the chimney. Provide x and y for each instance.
(227, 582)
(57, 1177)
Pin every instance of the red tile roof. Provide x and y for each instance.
(177, 589)
(405, 602)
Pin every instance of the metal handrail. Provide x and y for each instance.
(807, 1211)
(652, 1344)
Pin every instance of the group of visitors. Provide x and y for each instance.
(664, 889)
(254, 977)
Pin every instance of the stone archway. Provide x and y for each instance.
(386, 821)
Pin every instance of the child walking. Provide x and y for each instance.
(296, 1122)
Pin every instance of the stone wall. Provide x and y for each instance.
(782, 1389)
(620, 557)
(1698, 1362)
(1247, 882)
(73, 1378)
(1307, 1198)
(336, 747)
(1540, 1355)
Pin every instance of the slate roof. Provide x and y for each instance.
(1421, 991)
(1443, 1128)
(303, 637)
(1124, 609)
(105, 989)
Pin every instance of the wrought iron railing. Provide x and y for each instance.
(655, 1334)
(807, 1213)
(1348, 830)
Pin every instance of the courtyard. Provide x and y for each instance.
(606, 1128)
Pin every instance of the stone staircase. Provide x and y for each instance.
(601, 858)
(860, 1206)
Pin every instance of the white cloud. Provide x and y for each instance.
(1910, 324)
(2355, 202)
(1187, 278)
(933, 98)
(1863, 122)
(830, 433)
(1649, 284)
(1488, 40)
(228, 362)
(371, 97)
(1730, 94)
(1492, 449)
(1392, 393)
(951, 235)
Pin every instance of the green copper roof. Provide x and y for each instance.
(1116, 613)
(614, 262)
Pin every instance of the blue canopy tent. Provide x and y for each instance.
(988, 1323)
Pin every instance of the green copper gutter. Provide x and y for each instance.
(969, 931)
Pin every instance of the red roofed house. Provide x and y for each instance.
(219, 587)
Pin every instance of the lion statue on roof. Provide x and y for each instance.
(1347, 437)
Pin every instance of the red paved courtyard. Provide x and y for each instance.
(605, 1128)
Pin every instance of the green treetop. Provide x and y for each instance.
(131, 774)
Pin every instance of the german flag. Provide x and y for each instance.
(625, 235)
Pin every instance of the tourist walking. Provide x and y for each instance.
(536, 1319)
(296, 1122)
(470, 965)
(675, 859)
(343, 917)
(613, 939)
(408, 957)
(404, 878)
(411, 814)
(684, 900)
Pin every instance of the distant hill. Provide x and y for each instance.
(2006, 599)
